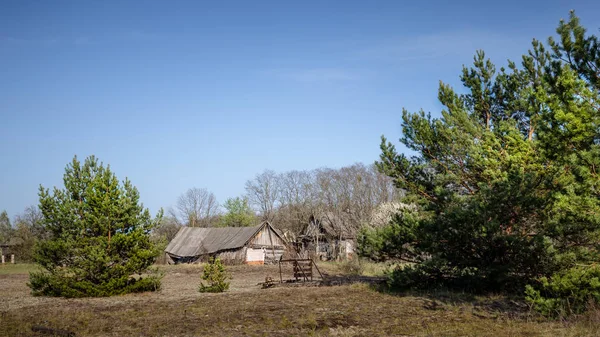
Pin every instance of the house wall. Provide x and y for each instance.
(273, 246)
(255, 256)
(329, 250)
(234, 256)
(349, 248)
(267, 237)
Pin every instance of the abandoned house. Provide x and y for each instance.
(233, 245)
(327, 237)
(10, 250)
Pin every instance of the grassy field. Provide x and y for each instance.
(178, 309)
(18, 268)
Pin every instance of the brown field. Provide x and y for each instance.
(247, 310)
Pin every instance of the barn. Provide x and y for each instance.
(233, 245)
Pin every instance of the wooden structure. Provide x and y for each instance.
(233, 245)
(328, 237)
(9, 249)
(302, 270)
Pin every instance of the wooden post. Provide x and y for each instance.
(12, 258)
(317, 248)
(2, 259)
(271, 239)
(280, 276)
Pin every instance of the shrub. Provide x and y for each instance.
(567, 292)
(65, 285)
(216, 276)
(352, 267)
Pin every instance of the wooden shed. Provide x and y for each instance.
(11, 248)
(328, 237)
(233, 245)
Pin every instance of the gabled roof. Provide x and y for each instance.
(15, 241)
(194, 241)
(329, 224)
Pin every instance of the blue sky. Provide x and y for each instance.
(180, 94)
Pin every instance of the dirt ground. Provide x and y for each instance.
(178, 309)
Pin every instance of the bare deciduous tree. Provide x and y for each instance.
(263, 193)
(196, 208)
(299, 200)
(32, 218)
(345, 197)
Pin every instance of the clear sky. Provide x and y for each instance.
(180, 94)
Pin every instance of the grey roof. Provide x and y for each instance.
(12, 242)
(194, 241)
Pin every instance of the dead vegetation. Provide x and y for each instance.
(247, 310)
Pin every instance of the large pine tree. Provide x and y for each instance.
(100, 236)
(506, 180)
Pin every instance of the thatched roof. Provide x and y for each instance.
(195, 241)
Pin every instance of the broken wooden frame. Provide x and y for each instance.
(302, 269)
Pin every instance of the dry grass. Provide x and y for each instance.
(18, 268)
(361, 267)
(246, 310)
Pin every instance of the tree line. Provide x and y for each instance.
(23, 232)
(288, 200)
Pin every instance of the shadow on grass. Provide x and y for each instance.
(336, 280)
(484, 305)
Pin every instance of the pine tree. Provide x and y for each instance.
(6, 230)
(99, 241)
(216, 277)
(580, 51)
(506, 180)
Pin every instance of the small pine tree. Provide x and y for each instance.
(216, 276)
(99, 241)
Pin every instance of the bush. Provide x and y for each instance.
(566, 293)
(64, 285)
(364, 267)
(216, 276)
(352, 267)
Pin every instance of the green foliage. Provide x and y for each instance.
(216, 276)
(99, 241)
(506, 180)
(566, 292)
(391, 241)
(22, 235)
(6, 230)
(579, 51)
(24, 250)
(239, 213)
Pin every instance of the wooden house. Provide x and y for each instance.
(327, 237)
(11, 248)
(233, 245)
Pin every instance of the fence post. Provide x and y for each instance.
(12, 258)
(2, 259)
